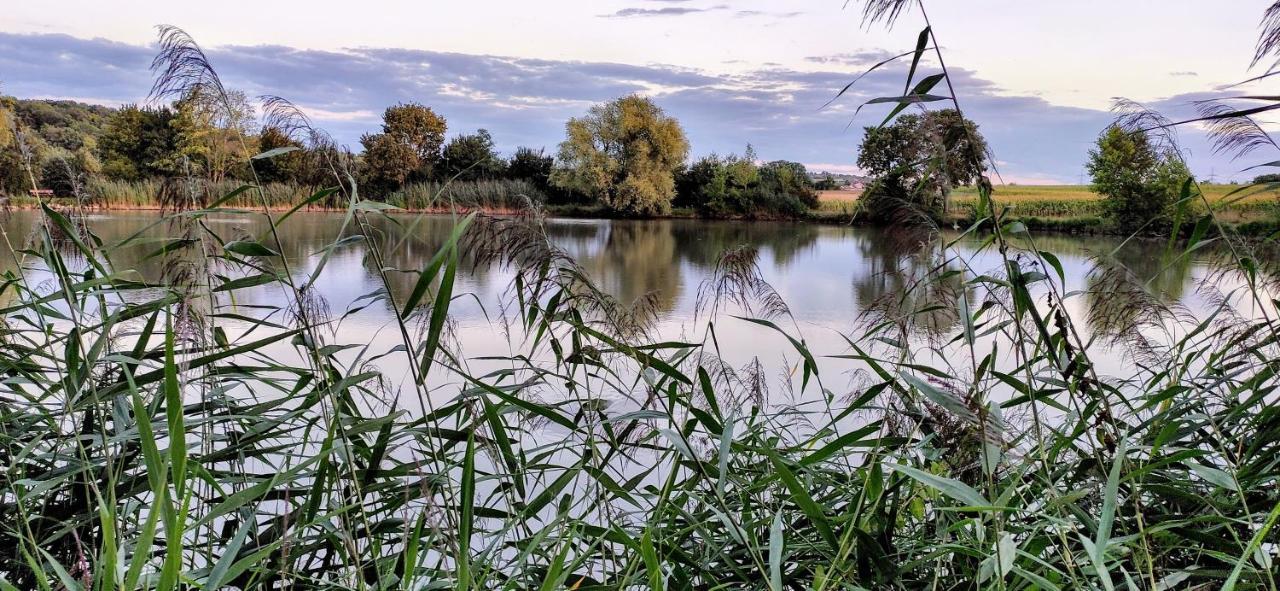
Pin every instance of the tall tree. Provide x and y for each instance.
(407, 149)
(285, 168)
(418, 127)
(214, 132)
(1138, 182)
(470, 157)
(532, 165)
(624, 154)
(916, 162)
(138, 143)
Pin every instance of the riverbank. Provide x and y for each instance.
(1067, 209)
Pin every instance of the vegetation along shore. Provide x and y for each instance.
(108, 158)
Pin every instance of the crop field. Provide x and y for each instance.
(1233, 202)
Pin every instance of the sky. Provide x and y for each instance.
(1039, 78)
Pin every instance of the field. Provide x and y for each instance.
(1233, 203)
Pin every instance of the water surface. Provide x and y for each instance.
(828, 276)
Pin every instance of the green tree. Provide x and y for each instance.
(790, 179)
(13, 176)
(66, 172)
(471, 157)
(138, 143)
(418, 127)
(916, 162)
(1138, 182)
(285, 168)
(531, 165)
(214, 133)
(386, 163)
(623, 154)
(407, 149)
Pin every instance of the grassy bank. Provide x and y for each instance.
(1056, 208)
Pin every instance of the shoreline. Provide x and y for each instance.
(1066, 225)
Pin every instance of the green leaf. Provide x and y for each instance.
(249, 248)
(800, 494)
(776, 546)
(272, 153)
(952, 488)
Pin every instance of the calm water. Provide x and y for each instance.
(827, 275)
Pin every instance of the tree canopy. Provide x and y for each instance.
(471, 157)
(1138, 181)
(917, 160)
(408, 149)
(623, 153)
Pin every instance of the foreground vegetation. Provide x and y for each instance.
(157, 433)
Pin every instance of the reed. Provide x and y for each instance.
(156, 434)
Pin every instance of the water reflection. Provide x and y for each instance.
(829, 276)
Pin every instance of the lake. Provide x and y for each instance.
(829, 277)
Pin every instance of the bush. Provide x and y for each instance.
(734, 186)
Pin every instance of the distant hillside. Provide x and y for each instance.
(56, 123)
(51, 131)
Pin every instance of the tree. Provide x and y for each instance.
(387, 163)
(214, 133)
(782, 177)
(13, 173)
(138, 143)
(916, 162)
(623, 154)
(531, 165)
(406, 150)
(285, 168)
(470, 157)
(65, 172)
(418, 127)
(1138, 183)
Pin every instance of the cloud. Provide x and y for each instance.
(525, 101)
(751, 13)
(664, 11)
(682, 10)
(864, 57)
